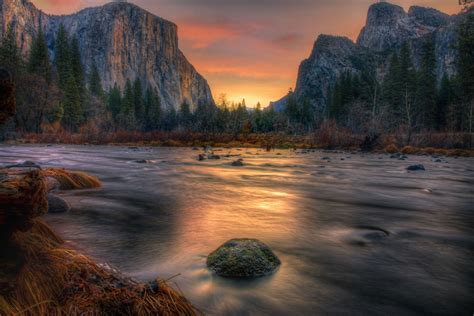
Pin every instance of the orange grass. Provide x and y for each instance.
(58, 281)
(391, 149)
(39, 276)
(70, 180)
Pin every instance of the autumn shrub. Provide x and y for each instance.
(409, 150)
(391, 149)
(70, 180)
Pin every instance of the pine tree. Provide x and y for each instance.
(258, 120)
(291, 109)
(170, 119)
(77, 68)
(10, 57)
(445, 98)
(95, 82)
(426, 87)
(466, 70)
(408, 82)
(62, 58)
(335, 101)
(392, 85)
(138, 102)
(152, 110)
(185, 115)
(126, 117)
(73, 113)
(306, 114)
(38, 62)
(114, 102)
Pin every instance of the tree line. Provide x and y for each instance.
(409, 97)
(60, 93)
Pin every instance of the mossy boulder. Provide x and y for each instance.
(243, 258)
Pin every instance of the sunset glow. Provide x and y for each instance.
(252, 49)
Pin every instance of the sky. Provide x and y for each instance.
(251, 49)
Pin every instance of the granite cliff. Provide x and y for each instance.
(388, 26)
(123, 40)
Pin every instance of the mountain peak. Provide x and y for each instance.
(388, 25)
(428, 16)
(381, 11)
(124, 41)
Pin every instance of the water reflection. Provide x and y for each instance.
(356, 236)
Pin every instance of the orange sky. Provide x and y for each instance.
(252, 48)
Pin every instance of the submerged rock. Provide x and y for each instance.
(365, 235)
(141, 161)
(243, 258)
(213, 157)
(25, 164)
(52, 184)
(57, 204)
(238, 163)
(416, 168)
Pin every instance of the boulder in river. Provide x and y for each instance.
(141, 161)
(57, 204)
(395, 156)
(243, 258)
(201, 157)
(416, 168)
(238, 163)
(52, 184)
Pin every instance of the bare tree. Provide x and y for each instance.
(36, 100)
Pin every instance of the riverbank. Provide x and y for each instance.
(41, 275)
(446, 144)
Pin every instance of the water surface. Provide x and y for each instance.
(356, 234)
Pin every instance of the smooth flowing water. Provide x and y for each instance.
(356, 233)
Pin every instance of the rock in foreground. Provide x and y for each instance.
(57, 204)
(243, 258)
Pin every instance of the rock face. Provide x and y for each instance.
(330, 57)
(243, 258)
(388, 26)
(123, 40)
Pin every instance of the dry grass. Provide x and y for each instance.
(39, 276)
(391, 149)
(54, 280)
(72, 180)
(409, 150)
(329, 136)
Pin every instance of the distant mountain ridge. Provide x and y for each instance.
(388, 26)
(123, 40)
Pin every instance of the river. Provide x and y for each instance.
(356, 233)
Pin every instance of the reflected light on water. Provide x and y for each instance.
(353, 235)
